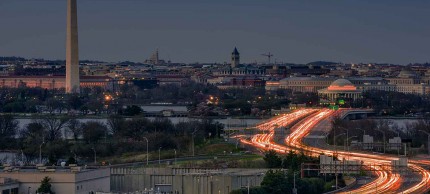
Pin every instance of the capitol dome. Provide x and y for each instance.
(341, 84)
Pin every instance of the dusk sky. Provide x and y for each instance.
(301, 31)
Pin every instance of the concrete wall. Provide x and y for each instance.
(94, 180)
(184, 181)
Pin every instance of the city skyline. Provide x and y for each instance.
(191, 31)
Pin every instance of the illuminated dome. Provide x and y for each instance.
(341, 85)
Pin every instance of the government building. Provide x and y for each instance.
(340, 89)
(54, 82)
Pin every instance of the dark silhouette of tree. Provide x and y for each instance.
(74, 102)
(272, 159)
(93, 131)
(116, 125)
(132, 110)
(275, 182)
(45, 186)
(75, 127)
(8, 128)
(53, 127)
(31, 137)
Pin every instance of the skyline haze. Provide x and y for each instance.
(205, 31)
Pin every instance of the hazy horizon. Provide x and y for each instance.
(207, 31)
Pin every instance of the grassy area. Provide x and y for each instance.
(214, 148)
(242, 161)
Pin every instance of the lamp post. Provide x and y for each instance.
(147, 151)
(192, 134)
(175, 155)
(95, 155)
(159, 157)
(383, 138)
(428, 140)
(294, 187)
(40, 152)
(347, 135)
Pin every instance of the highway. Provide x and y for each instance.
(386, 181)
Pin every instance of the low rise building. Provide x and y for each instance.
(71, 180)
(54, 82)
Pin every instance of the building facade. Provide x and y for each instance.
(340, 89)
(54, 82)
(62, 180)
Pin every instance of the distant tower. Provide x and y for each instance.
(72, 50)
(155, 60)
(235, 58)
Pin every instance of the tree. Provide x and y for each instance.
(75, 127)
(74, 102)
(95, 106)
(116, 125)
(32, 136)
(93, 131)
(53, 127)
(135, 128)
(8, 128)
(272, 159)
(53, 104)
(275, 182)
(45, 186)
(132, 110)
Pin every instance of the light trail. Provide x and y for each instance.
(387, 181)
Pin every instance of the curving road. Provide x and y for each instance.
(387, 181)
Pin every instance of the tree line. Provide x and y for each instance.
(67, 137)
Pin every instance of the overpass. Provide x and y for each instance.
(353, 114)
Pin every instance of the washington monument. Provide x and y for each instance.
(72, 50)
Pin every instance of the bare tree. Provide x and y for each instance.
(75, 127)
(53, 126)
(8, 128)
(116, 125)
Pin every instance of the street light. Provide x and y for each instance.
(192, 134)
(95, 155)
(175, 155)
(294, 188)
(159, 156)
(40, 152)
(147, 151)
(347, 135)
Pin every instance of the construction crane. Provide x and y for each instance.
(268, 55)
